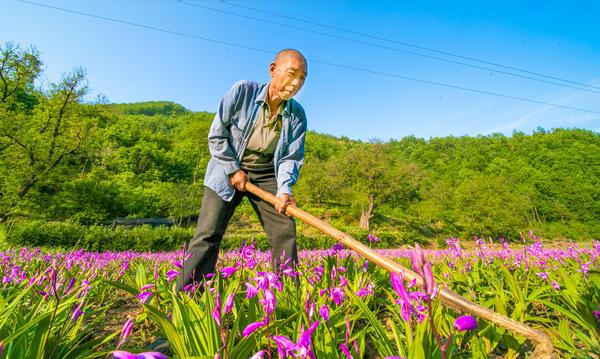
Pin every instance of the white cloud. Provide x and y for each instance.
(550, 116)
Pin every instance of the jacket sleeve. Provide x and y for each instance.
(292, 160)
(218, 136)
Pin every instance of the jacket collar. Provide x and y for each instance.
(262, 96)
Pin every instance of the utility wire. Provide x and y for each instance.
(407, 44)
(350, 67)
(148, 27)
(383, 46)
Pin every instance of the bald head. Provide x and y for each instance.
(287, 53)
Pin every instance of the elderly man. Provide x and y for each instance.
(257, 135)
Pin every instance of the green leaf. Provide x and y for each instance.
(381, 340)
(165, 325)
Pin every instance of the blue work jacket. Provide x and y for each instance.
(230, 132)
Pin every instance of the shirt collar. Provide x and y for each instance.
(262, 96)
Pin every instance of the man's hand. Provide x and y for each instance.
(238, 180)
(284, 201)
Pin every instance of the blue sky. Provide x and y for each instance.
(128, 63)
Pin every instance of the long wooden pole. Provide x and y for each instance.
(542, 342)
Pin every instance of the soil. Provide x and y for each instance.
(124, 307)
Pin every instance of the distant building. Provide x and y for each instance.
(134, 222)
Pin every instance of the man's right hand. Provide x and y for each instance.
(238, 180)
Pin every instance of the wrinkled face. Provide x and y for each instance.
(287, 76)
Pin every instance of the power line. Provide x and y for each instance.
(350, 67)
(454, 86)
(382, 46)
(407, 44)
(148, 27)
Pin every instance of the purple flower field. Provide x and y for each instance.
(333, 305)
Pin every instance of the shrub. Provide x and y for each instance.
(39, 233)
(98, 238)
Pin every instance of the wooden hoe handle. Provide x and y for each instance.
(542, 342)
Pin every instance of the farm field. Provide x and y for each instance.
(458, 144)
(80, 304)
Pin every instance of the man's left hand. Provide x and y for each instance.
(284, 201)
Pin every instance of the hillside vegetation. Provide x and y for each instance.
(64, 160)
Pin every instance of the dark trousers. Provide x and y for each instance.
(215, 214)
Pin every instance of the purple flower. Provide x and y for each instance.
(348, 329)
(398, 286)
(585, 267)
(123, 355)
(372, 238)
(324, 311)
(532, 236)
(284, 345)
(409, 302)
(365, 266)
(555, 285)
(77, 312)
(309, 307)
(228, 271)
(252, 327)
(144, 296)
(69, 286)
(229, 303)
(269, 302)
(258, 355)
(429, 280)
(125, 332)
(346, 351)
(172, 275)
(417, 259)
(302, 347)
(454, 245)
(289, 271)
(464, 323)
(337, 294)
(216, 312)
(251, 290)
(412, 283)
(365, 291)
(147, 286)
(319, 270)
(119, 354)
(268, 280)
(150, 355)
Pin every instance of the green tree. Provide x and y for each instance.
(375, 177)
(38, 140)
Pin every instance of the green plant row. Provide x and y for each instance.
(146, 238)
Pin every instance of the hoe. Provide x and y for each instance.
(543, 344)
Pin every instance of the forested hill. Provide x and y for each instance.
(486, 185)
(64, 160)
(148, 160)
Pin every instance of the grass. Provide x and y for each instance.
(2, 236)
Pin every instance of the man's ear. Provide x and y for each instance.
(272, 68)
